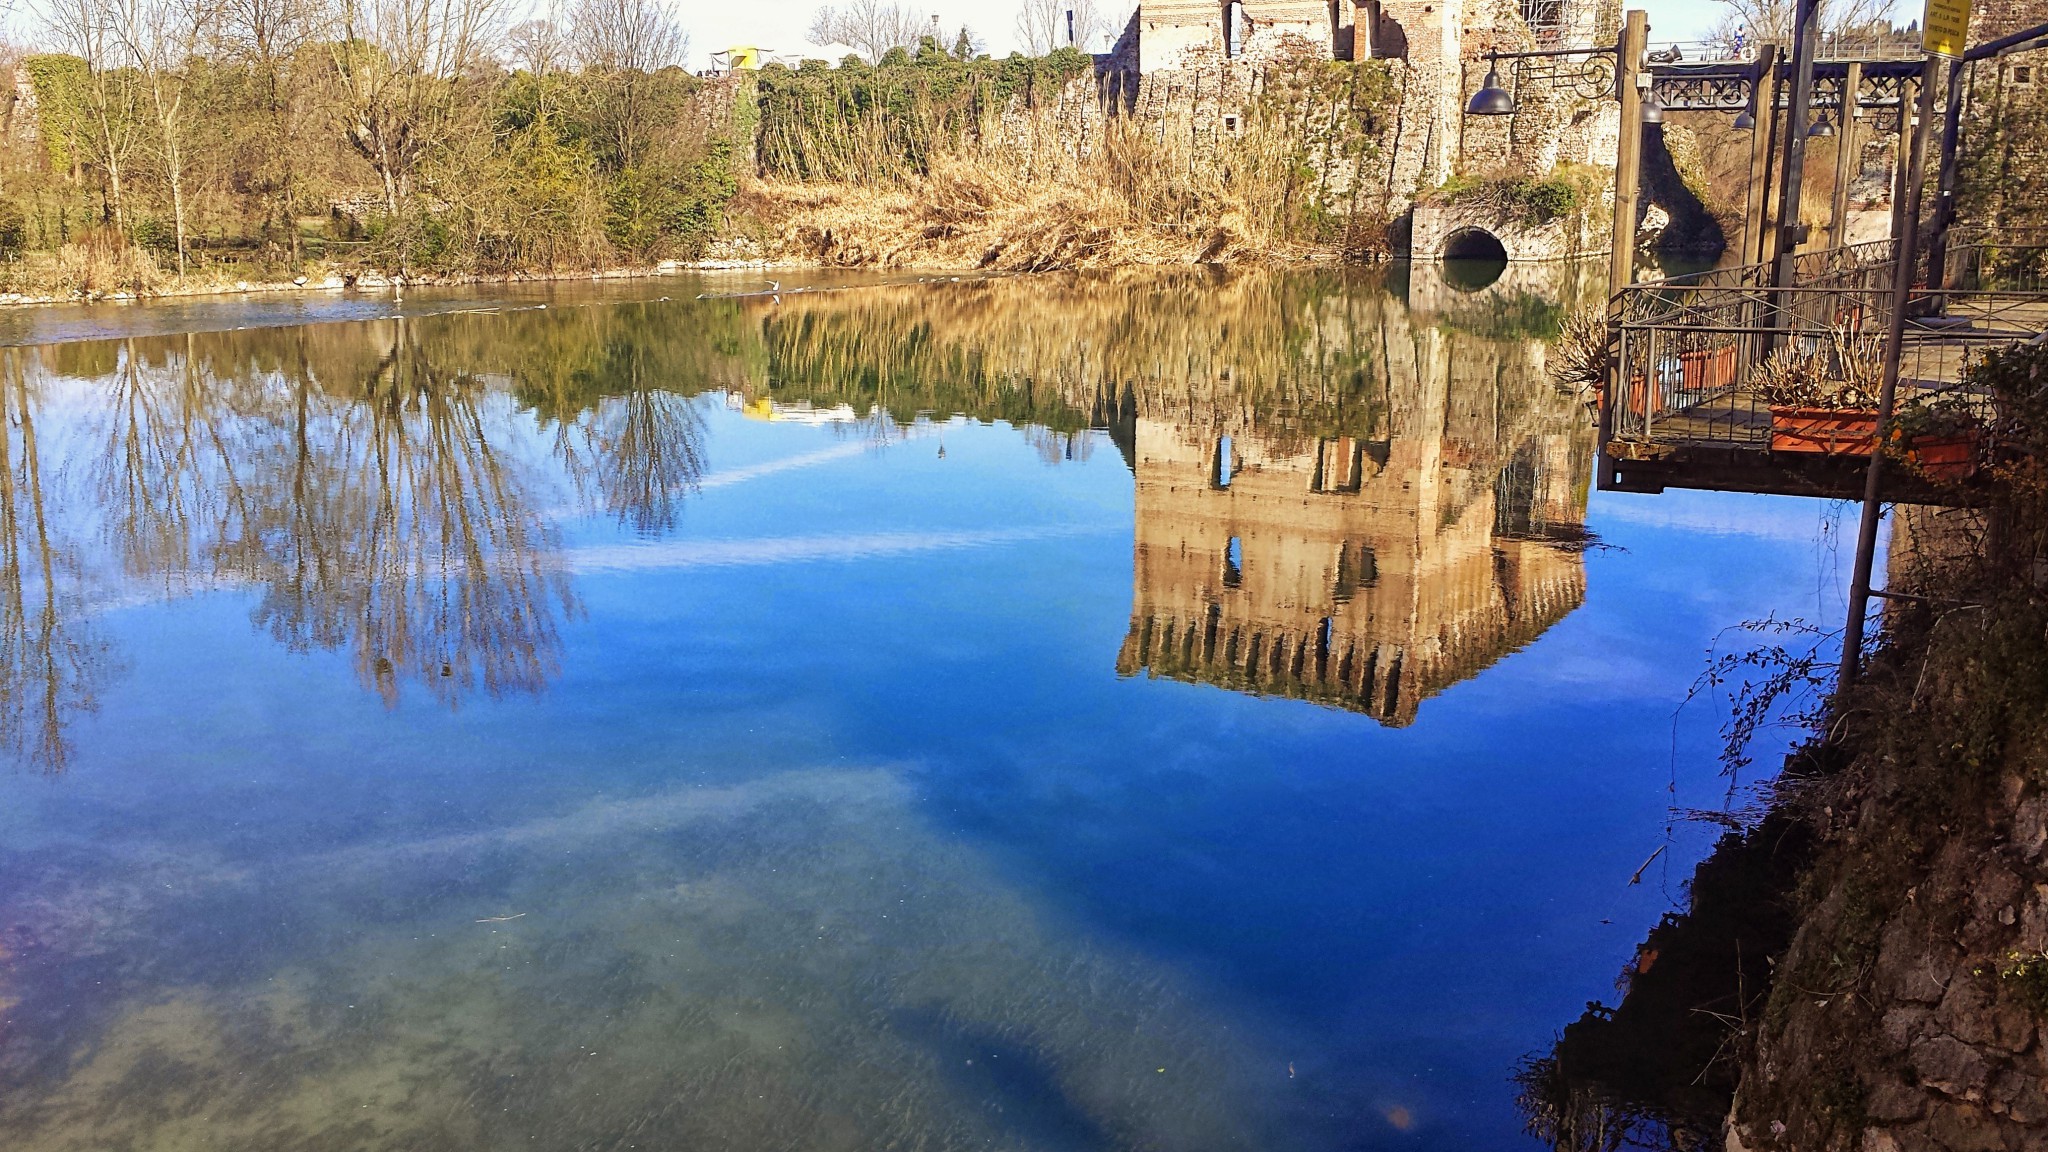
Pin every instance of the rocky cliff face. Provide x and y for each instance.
(1910, 1013)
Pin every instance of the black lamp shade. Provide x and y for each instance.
(1491, 99)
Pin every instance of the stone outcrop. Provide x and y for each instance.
(1928, 1034)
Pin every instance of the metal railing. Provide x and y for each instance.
(1834, 48)
(1997, 260)
(1689, 349)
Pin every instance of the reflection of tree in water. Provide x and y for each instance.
(616, 386)
(51, 666)
(1658, 1071)
(642, 445)
(361, 496)
(1070, 353)
(398, 531)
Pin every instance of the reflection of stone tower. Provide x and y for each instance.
(1367, 574)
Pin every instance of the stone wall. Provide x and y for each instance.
(1171, 60)
(18, 121)
(1994, 19)
(1940, 1048)
(1571, 235)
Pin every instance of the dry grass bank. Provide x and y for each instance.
(1291, 166)
(965, 217)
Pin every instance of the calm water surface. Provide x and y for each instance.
(1155, 712)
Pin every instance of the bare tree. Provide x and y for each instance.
(400, 67)
(161, 39)
(1753, 22)
(621, 44)
(622, 35)
(103, 122)
(539, 45)
(1042, 25)
(870, 27)
(268, 37)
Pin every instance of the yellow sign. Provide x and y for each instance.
(1947, 27)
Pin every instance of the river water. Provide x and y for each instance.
(1172, 711)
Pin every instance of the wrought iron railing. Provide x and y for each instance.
(1997, 260)
(1688, 350)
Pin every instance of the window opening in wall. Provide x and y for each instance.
(1357, 568)
(1230, 32)
(1223, 462)
(1544, 17)
(1230, 124)
(2023, 74)
(1339, 467)
(1514, 498)
(1233, 563)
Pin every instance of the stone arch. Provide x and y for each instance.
(1470, 242)
(1473, 258)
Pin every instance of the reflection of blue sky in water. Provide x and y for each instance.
(854, 839)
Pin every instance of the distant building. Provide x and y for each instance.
(1208, 58)
(739, 58)
(1166, 35)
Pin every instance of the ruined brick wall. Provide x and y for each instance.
(18, 122)
(1993, 19)
(1172, 34)
(1444, 43)
(1172, 62)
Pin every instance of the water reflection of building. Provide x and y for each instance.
(1366, 572)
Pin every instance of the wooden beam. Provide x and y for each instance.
(1848, 156)
(1902, 159)
(1805, 42)
(1762, 108)
(1628, 152)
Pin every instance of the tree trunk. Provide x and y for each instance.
(114, 187)
(178, 208)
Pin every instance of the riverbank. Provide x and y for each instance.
(322, 280)
(1910, 1011)
(1862, 966)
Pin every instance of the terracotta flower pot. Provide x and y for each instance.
(1950, 457)
(1707, 368)
(1828, 431)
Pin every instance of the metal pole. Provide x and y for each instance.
(1848, 154)
(1906, 245)
(1763, 98)
(1628, 153)
(1628, 173)
(1805, 30)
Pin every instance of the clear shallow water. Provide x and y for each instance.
(602, 726)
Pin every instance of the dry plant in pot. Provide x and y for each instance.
(1823, 398)
(1841, 372)
(1580, 358)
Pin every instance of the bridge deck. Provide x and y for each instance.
(1690, 415)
